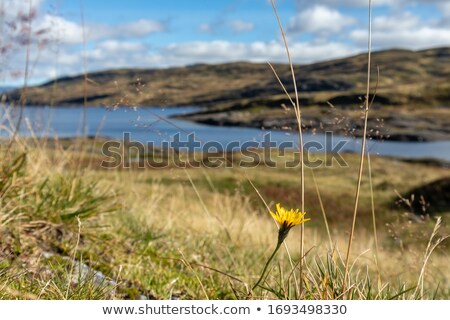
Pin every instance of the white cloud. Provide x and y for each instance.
(140, 28)
(224, 51)
(404, 30)
(134, 29)
(403, 21)
(241, 26)
(421, 38)
(114, 54)
(59, 29)
(121, 46)
(334, 3)
(421, 1)
(63, 58)
(11, 9)
(365, 3)
(320, 19)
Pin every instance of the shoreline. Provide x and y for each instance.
(226, 119)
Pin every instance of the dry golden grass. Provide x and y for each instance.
(165, 239)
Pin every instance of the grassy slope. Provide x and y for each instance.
(152, 230)
(418, 77)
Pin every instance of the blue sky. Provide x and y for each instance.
(157, 34)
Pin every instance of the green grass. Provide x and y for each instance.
(150, 233)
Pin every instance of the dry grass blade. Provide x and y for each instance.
(429, 250)
(363, 145)
(72, 267)
(188, 265)
(374, 221)
(23, 94)
(85, 82)
(19, 294)
(324, 214)
(209, 268)
(281, 83)
(299, 123)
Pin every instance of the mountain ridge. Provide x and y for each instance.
(402, 67)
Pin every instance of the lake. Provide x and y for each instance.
(155, 125)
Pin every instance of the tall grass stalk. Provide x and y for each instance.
(322, 208)
(374, 220)
(72, 267)
(188, 265)
(23, 94)
(363, 147)
(299, 123)
(85, 75)
(432, 245)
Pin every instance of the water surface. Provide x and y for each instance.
(155, 125)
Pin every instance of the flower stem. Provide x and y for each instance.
(267, 264)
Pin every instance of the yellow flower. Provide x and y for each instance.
(287, 219)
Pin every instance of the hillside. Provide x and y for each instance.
(413, 90)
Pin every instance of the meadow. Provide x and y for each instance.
(71, 228)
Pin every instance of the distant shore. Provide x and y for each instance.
(393, 128)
